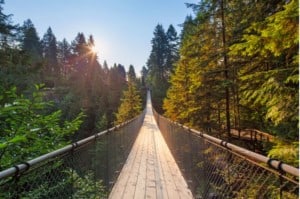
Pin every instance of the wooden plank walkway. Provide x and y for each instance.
(150, 170)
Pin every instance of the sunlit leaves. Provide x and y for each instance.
(263, 67)
(275, 93)
(287, 152)
(275, 34)
(131, 104)
(270, 79)
(28, 129)
(281, 30)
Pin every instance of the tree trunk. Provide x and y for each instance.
(226, 70)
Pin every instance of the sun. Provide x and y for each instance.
(94, 49)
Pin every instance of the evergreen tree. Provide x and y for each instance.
(178, 96)
(122, 73)
(212, 73)
(105, 67)
(51, 68)
(91, 47)
(87, 82)
(131, 74)
(172, 55)
(105, 73)
(23, 63)
(157, 59)
(30, 42)
(270, 80)
(227, 49)
(9, 56)
(64, 56)
(131, 104)
(144, 74)
(196, 75)
(116, 85)
(80, 50)
(160, 64)
(6, 27)
(86, 86)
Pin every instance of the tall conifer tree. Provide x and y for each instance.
(30, 42)
(131, 103)
(51, 68)
(160, 63)
(64, 55)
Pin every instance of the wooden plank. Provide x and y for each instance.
(141, 180)
(135, 166)
(151, 182)
(122, 182)
(150, 170)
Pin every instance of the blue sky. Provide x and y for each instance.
(122, 29)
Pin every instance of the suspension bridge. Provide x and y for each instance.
(150, 157)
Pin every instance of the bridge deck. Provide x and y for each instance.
(150, 170)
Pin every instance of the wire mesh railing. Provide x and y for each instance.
(85, 169)
(216, 169)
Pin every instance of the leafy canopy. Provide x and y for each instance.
(28, 130)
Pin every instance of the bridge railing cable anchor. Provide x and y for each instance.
(19, 170)
(278, 167)
(27, 166)
(74, 146)
(201, 134)
(17, 173)
(225, 144)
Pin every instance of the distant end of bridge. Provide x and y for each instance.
(150, 170)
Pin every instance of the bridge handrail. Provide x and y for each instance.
(272, 163)
(249, 132)
(59, 152)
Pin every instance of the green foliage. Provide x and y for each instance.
(270, 81)
(51, 70)
(177, 105)
(270, 92)
(261, 76)
(131, 74)
(6, 27)
(131, 105)
(30, 43)
(197, 87)
(102, 124)
(75, 82)
(160, 63)
(275, 34)
(27, 130)
(68, 183)
(286, 152)
(86, 187)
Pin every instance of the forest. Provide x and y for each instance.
(56, 92)
(234, 65)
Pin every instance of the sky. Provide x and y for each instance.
(122, 29)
